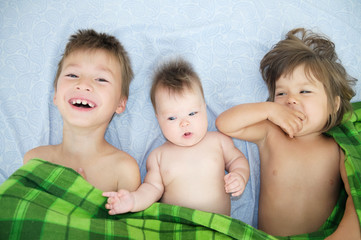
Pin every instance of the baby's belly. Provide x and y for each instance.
(207, 197)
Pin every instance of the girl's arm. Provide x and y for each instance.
(249, 121)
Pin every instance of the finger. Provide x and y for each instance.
(109, 194)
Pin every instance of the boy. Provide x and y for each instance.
(300, 166)
(91, 85)
(188, 169)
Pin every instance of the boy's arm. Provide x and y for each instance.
(349, 227)
(237, 166)
(248, 121)
(148, 193)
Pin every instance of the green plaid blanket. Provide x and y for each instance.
(42, 200)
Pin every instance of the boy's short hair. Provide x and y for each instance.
(176, 75)
(88, 39)
(317, 54)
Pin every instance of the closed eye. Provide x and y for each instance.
(102, 80)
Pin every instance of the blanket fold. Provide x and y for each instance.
(42, 200)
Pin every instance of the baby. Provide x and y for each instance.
(188, 169)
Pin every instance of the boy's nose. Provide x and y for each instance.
(83, 84)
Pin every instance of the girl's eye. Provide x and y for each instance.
(305, 91)
(280, 94)
(192, 113)
(102, 80)
(172, 118)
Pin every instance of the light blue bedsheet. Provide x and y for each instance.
(224, 40)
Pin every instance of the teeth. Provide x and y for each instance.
(83, 102)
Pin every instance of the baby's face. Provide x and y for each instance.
(181, 117)
(309, 97)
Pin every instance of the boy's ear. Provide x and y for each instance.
(121, 105)
(337, 103)
(54, 98)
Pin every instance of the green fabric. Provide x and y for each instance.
(42, 200)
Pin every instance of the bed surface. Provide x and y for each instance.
(224, 40)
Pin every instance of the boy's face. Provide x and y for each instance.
(309, 97)
(88, 91)
(182, 117)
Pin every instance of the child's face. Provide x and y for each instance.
(309, 97)
(89, 88)
(182, 117)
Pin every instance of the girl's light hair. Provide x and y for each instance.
(317, 54)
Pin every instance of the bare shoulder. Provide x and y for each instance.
(127, 170)
(42, 152)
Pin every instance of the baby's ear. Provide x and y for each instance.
(121, 105)
(337, 103)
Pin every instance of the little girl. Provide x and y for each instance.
(301, 168)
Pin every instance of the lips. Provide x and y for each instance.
(187, 134)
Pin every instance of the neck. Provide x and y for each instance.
(81, 143)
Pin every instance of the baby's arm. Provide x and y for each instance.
(248, 121)
(236, 165)
(148, 193)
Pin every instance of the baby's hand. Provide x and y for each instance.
(234, 183)
(119, 202)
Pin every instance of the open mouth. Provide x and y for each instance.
(82, 103)
(187, 134)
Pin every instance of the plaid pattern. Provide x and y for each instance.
(42, 200)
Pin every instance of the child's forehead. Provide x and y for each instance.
(301, 74)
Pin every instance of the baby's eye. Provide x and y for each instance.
(172, 118)
(305, 91)
(71, 75)
(192, 113)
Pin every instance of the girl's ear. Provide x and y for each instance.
(337, 103)
(121, 105)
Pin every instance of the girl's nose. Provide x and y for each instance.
(292, 100)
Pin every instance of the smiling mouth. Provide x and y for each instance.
(82, 103)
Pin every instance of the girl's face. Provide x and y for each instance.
(296, 91)
(182, 117)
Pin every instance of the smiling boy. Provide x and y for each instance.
(91, 85)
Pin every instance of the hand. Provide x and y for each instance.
(119, 202)
(234, 183)
(288, 119)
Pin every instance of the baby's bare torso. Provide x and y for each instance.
(300, 183)
(194, 176)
